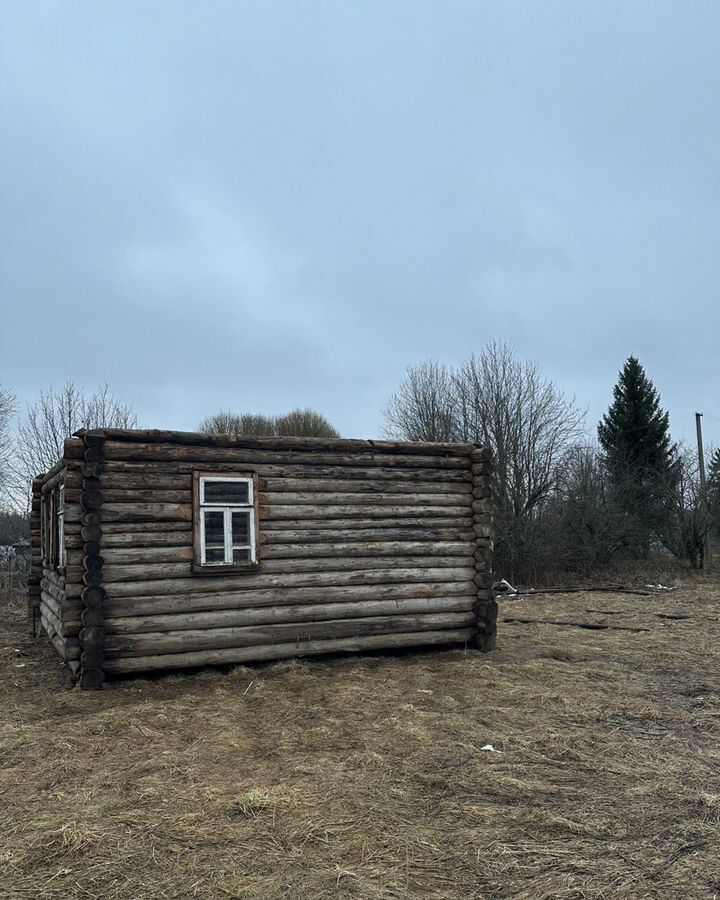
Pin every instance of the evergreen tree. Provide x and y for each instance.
(638, 453)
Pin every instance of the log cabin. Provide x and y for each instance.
(156, 550)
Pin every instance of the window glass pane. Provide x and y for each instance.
(241, 527)
(214, 555)
(241, 555)
(226, 491)
(214, 528)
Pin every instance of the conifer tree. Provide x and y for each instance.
(638, 453)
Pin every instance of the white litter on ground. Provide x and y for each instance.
(488, 748)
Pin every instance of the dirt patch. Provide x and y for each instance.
(364, 777)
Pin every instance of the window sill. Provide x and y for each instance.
(240, 569)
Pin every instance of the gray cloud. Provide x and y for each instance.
(260, 206)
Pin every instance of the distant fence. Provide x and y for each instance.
(14, 569)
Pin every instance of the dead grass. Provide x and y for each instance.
(363, 777)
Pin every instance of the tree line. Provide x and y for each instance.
(35, 443)
(564, 501)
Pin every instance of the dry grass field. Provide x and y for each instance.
(364, 777)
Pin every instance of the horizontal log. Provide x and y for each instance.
(58, 608)
(54, 637)
(159, 604)
(146, 495)
(151, 644)
(268, 615)
(68, 630)
(128, 572)
(53, 589)
(74, 448)
(351, 532)
(350, 524)
(115, 482)
(51, 473)
(306, 497)
(427, 549)
(68, 648)
(161, 452)
(288, 650)
(265, 580)
(166, 553)
(102, 437)
(273, 485)
(135, 540)
(48, 611)
(53, 576)
(145, 480)
(287, 469)
(114, 557)
(144, 528)
(364, 511)
(335, 499)
(57, 478)
(141, 512)
(359, 534)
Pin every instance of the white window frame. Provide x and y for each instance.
(61, 526)
(227, 509)
(52, 514)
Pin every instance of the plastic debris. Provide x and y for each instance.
(488, 748)
(504, 587)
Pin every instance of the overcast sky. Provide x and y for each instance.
(260, 206)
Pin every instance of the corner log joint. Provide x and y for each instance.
(92, 616)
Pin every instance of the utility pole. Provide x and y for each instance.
(701, 466)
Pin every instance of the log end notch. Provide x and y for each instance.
(91, 675)
(486, 608)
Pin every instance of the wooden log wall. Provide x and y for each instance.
(361, 546)
(35, 577)
(54, 591)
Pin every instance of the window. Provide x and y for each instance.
(52, 517)
(60, 519)
(225, 520)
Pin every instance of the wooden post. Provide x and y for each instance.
(486, 607)
(92, 634)
(703, 484)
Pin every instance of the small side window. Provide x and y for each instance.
(225, 520)
(52, 515)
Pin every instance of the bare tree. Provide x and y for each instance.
(7, 411)
(225, 422)
(687, 518)
(505, 404)
(304, 423)
(55, 417)
(425, 405)
(297, 423)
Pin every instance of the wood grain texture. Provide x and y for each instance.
(288, 650)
